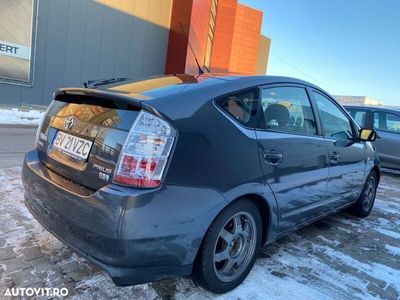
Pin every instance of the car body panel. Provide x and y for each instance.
(347, 176)
(299, 182)
(388, 145)
(348, 172)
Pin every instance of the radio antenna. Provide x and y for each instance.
(191, 49)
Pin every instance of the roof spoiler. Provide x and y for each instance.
(97, 97)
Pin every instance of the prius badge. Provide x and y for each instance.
(69, 122)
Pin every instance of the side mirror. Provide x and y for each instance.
(367, 135)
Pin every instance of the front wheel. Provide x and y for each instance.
(363, 207)
(229, 249)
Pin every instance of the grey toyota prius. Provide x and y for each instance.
(190, 175)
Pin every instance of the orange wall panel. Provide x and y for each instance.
(224, 26)
(177, 41)
(198, 34)
(245, 41)
(263, 55)
(236, 41)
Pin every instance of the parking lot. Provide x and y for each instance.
(340, 257)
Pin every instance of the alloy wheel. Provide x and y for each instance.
(235, 246)
(369, 194)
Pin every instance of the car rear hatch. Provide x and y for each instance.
(83, 133)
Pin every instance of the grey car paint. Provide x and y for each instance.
(141, 235)
(388, 142)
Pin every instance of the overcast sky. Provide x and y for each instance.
(348, 47)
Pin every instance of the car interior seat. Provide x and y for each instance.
(277, 115)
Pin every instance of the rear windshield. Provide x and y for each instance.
(93, 114)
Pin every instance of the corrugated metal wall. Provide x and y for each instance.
(78, 40)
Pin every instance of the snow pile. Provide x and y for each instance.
(16, 116)
(393, 250)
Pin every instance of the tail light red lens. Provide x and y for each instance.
(145, 153)
(39, 136)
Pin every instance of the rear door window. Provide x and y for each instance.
(287, 109)
(387, 122)
(393, 123)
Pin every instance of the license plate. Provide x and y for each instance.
(72, 145)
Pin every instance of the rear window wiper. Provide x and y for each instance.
(98, 82)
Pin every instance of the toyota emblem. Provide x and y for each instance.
(69, 122)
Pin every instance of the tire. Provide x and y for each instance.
(363, 207)
(219, 266)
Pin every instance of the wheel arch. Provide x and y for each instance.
(377, 171)
(264, 210)
(263, 206)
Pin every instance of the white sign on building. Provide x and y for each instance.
(16, 29)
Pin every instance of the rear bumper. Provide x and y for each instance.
(135, 235)
(121, 276)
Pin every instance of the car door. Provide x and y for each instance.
(293, 156)
(347, 159)
(388, 127)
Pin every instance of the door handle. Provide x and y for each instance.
(334, 158)
(272, 156)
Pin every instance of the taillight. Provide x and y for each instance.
(145, 153)
(38, 136)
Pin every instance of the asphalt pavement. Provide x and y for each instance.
(15, 141)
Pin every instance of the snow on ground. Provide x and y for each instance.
(395, 251)
(17, 116)
(339, 257)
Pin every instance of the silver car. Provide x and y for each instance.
(386, 122)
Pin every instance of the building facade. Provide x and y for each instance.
(48, 44)
(224, 36)
(357, 100)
